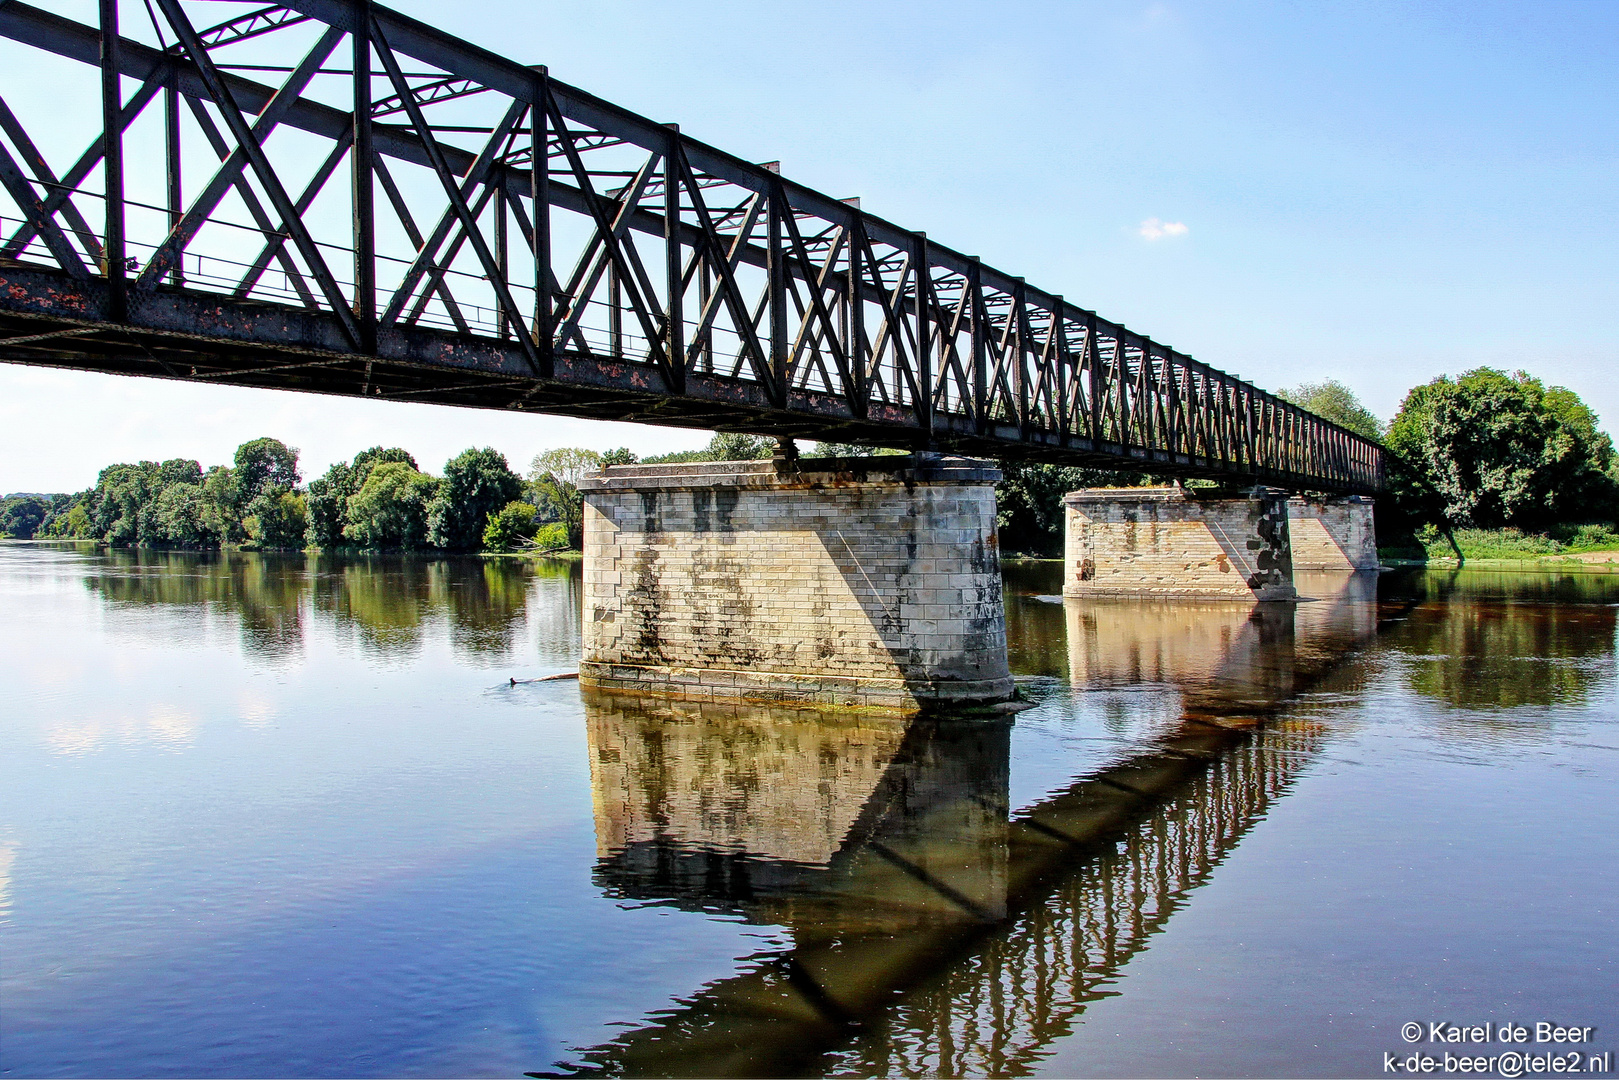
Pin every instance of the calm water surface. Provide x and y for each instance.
(288, 816)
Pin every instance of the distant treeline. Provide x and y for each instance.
(379, 501)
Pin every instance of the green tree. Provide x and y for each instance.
(622, 456)
(21, 516)
(366, 460)
(724, 446)
(554, 482)
(833, 449)
(328, 498)
(177, 518)
(221, 504)
(390, 509)
(277, 518)
(513, 523)
(1503, 450)
(1332, 400)
(1028, 502)
(71, 524)
(740, 446)
(476, 484)
(265, 463)
(117, 501)
(327, 503)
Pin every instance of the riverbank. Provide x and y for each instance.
(1585, 562)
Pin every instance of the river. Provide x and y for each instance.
(289, 816)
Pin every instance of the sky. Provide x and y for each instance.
(1376, 193)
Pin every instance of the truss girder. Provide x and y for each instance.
(775, 308)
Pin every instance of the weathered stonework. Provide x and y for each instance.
(840, 582)
(1167, 542)
(1333, 533)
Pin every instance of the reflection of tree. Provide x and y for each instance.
(487, 601)
(1036, 637)
(272, 590)
(382, 598)
(1489, 653)
(1036, 634)
(387, 600)
(265, 592)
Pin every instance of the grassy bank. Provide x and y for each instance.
(1595, 546)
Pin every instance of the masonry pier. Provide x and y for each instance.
(1171, 542)
(867, 583)
(1332, 532)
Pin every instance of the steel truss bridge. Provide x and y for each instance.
(328, 196)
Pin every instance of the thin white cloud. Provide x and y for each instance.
(1154, 229)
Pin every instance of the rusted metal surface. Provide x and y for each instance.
(539, 249)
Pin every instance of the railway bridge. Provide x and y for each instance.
(328, 196)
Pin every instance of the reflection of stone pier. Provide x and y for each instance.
(1084, 879)
(834, 582)
(789, 816)
(1046, 904)
(1222, 657)
(1170, 542)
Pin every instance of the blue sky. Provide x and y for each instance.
(1379, 193)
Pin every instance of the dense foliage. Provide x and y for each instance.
(380, 500)
(1332, 400)
(1488, 450)
(724, 446)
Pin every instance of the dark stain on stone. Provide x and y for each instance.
(724, 507)
(646, 598)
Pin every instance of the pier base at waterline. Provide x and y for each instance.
(1171, 542)
(866, 583)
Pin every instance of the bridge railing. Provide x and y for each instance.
(342, 160)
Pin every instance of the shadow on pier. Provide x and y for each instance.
(935, 930)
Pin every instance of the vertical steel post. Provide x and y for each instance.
(1172, 403)
(112, 134)
(171, 152)
(858, 360)
(675, 345)
(924, 347)
(1093, 349)
(361, 157)
(1061, 363)
(1121, 376)
(1020, 385)
(980, 347)
(705, 289)
(540, 183)
(503, 258)
(615, 313)
(776, 275)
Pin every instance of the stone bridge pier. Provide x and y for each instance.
(1171, 542)
(866, 583)
(1332, 533)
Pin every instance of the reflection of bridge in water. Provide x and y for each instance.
(934, 932)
